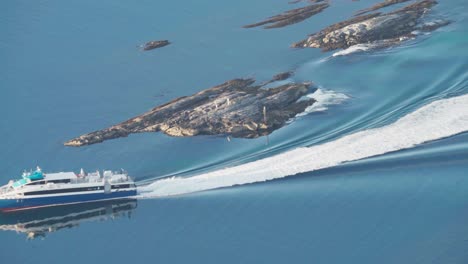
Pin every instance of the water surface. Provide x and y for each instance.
(71, 68)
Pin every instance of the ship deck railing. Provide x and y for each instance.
(5, 189)
(98, 180)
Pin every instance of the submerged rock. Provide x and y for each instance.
(433, 25)
(155, 44)
(279, 77)
(237, 108)
(291, 17)
(384, 30)
(282, 76)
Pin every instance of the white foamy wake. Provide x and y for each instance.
(324, 99)
(353, 49)
(439, 119)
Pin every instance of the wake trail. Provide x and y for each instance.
(436, 120)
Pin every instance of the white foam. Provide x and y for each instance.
(324, 99)
(353, 49)
(439, 119)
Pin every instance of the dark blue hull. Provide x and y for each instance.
(28, 203)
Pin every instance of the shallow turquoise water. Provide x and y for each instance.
(71, 68)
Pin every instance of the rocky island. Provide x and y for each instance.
(292, 16)
(237, 108)
(379, 6)
(155, 44)
(378, 30)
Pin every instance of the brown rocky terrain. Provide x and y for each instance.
(291, 16)
(155, 44)
(379, 6)
(388, 29)
(237, 108)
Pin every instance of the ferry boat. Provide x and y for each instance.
(37, 189)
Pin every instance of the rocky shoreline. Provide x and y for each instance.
(237, 108)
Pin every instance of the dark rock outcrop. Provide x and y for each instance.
(388, 29)
(291, 17)
(282, 76)
(379, 6)
(310, 1)
(279, 77)
(155, 44)
(237, 108)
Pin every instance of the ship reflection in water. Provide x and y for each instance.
(37, 223)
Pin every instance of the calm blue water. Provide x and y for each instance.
(71, 68)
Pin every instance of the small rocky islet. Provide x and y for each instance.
(237, 108)
(379, 30)
(310, 1)
(379, 6)
(154, 44)
(292, 16)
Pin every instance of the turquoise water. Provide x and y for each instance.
(71, 68)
